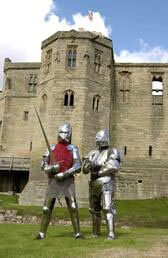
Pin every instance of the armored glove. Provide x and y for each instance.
(60, 176)
(51, 170)
(94, 172)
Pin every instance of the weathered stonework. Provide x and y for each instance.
(116, 96)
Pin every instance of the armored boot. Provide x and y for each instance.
(47, 211)
(74, 215)
(96, 224)
(110, 225)
(75, 223)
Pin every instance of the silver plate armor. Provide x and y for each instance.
(102, 164)
(107, 162)
(61, 183)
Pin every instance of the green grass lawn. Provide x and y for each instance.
(17, 241)
(139, 213)
(141, 225)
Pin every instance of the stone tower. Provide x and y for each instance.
(16, 124)
(74, 86)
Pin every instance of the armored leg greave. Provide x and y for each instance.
(96, 224)
(110, 224)
(74, 215)
(95, 210)
(108, 212)
(47, 211)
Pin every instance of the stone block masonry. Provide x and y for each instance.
(78, 81)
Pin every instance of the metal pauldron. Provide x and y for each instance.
(76, 168)
(45, 166)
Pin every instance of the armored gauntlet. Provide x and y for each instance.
(94, 172)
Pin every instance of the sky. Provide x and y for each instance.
(138, 28)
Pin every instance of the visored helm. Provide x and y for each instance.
(102, 138)
(64, 132)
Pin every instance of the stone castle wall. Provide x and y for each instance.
(125, 107)
(17, 105)
(140, 129)
(138, 122)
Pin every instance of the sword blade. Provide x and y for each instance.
(45, 137)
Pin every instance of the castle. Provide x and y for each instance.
(78, 81)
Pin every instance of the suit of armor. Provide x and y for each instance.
(61, 179)
(102, 164)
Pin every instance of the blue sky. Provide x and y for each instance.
(130, 20)
(138, 28)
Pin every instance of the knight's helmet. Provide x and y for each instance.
(65, 132)
(102, 139)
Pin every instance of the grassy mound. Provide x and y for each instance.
(139, 213)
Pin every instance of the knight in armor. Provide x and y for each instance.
(102, 164)
(61, 179)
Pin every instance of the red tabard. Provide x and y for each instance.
(63, 156)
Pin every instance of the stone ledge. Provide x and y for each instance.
(11, 217)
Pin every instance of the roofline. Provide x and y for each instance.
(141, 64)
(21, 65)
(78, 35)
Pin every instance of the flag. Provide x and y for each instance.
(90, 15)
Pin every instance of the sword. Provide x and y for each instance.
(45, 137)
(48, 145)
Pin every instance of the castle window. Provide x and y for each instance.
(98, 60)
(124, 87)
(95, 103)
(71, 56)
(150, 150)
(32, 83)
(26, 115)
(157, 96)
(69, 98)
(44, 98)
(8, 83)
(43, 103)
(157, 91)
(125, 150)
(48, 60)
(66, 99)
(71, 102)
(30, 146)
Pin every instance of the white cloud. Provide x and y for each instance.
(97, 24)
(25, 23)
(144, 54)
